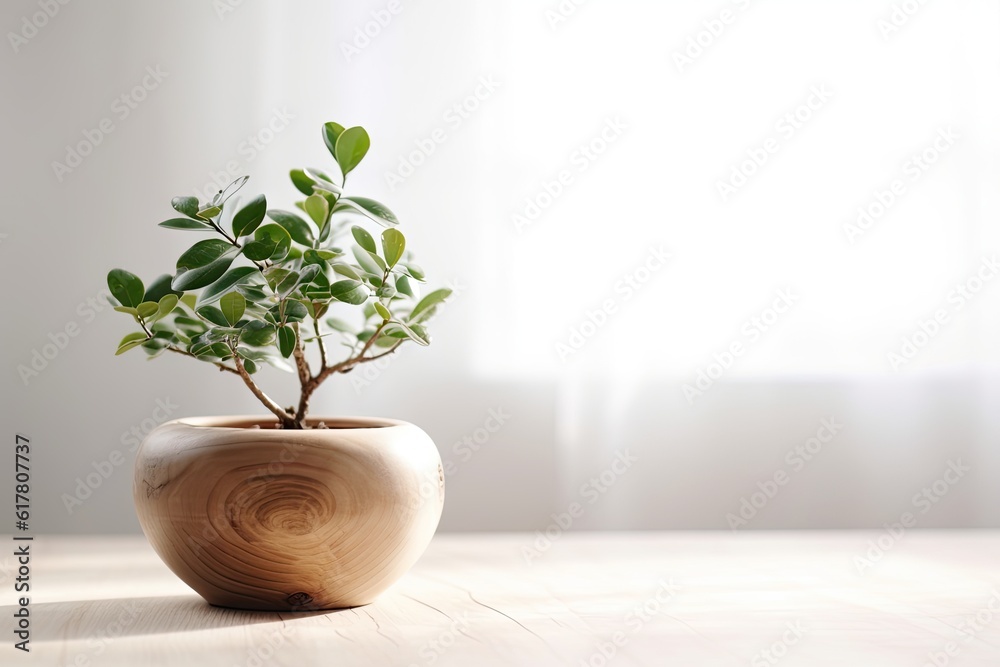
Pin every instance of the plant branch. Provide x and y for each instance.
(305, 373)
(287, 420)
(222, 366)
(341, 367)
(321, 343)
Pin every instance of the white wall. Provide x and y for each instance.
(523, 291)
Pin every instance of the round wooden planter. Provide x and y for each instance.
(255, 517)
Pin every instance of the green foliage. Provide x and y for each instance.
(259, 292)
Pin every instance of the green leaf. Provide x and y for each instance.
(323, 185)
(186, 224)
(128, 309)
(232, 278)
(264, 356)
(351, 147)
(131, 340)
(258, 334)
(318, 209)
(213, 315)
(248, 218)
(386, 291)
(166, 305)
(301, 181)
(339, 325)
(209, 212)
(270, 242)
(286, 341)
(382, 311)
(331, 131)
(346, 270)
(397, 326)
(296, 227)
(425, 307)
(253, 293)
(318, 289)
(369, 262)
(349, 291)
(403, 285)
(250, 366)
(203, 253)
(285, 286)
(233, 305)
(160, 288)
(202, 276)
(414, 271)
(258, 250)
(147, 309)
(126, 287)
(378, 212)
(287, 311)
(189, 325)
(364, 239)
(308, 273)
(318, 258)
(186, 205)
(393, 245)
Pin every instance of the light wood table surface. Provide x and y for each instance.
(657, 599)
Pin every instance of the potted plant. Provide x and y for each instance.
(287, 511)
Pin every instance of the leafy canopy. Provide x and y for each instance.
(269, 283)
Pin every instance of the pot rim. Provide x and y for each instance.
(246, 422)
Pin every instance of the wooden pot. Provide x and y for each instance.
(255, 517)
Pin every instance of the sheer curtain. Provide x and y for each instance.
(650, 215)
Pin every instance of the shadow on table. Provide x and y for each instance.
(125, 617)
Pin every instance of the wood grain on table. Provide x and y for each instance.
(658, 599)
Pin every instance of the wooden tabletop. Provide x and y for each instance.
(658, 599)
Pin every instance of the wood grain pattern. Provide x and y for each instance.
(288, 520)
(475, 600)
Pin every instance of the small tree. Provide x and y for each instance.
(292, 280)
